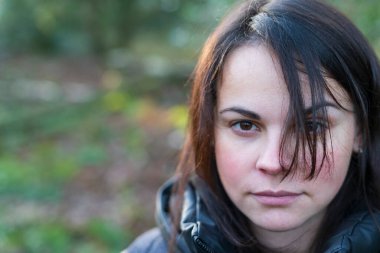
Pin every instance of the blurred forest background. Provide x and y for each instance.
(93, 111)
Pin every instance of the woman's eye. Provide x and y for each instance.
(244, 126)
(317, 126)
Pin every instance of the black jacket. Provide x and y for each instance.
(199, 234)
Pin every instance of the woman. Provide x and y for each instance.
(284, 137)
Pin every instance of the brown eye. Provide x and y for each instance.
(245, 127)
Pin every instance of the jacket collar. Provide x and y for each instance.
(198, 232)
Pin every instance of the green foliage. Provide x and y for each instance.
(35, 237)
(72, 26)
(52, 236)
(366, 15)
(108, 233)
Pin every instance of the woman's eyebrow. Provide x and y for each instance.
(317, 107)
(244, 112)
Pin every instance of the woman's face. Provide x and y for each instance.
(250, 117)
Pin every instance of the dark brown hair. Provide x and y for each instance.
(308, 36)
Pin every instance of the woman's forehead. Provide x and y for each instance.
(333, 91)
(252, 70)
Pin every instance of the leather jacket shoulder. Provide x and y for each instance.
(359, 233)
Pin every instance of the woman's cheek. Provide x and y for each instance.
(232, 163)
(335, 165)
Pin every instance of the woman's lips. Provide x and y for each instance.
(279, 198)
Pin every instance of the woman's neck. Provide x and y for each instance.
(279, 242)
(297, 240)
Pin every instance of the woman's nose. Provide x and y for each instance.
(269, 158)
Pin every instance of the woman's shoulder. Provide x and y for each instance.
(149, 242)
(359, 233)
